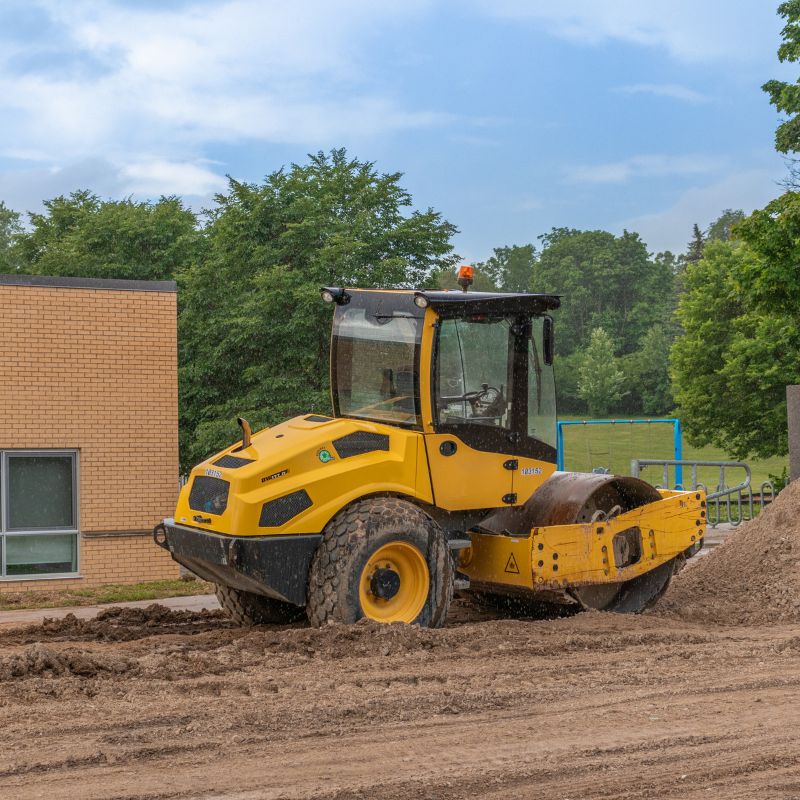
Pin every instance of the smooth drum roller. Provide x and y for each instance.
(572, 497)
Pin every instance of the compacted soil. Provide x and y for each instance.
(699, 698)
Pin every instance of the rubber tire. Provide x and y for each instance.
(247, 609)
(348, 541)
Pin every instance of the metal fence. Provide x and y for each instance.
(726, 503)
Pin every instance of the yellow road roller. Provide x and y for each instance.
(435, 473)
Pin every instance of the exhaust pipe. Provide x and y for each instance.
(246, 433)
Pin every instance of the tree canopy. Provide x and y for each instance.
(83, 236)
(10, 229)
(607, 281)
(783, 95)
(601, 382)
(253, 331)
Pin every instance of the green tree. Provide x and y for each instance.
(772, 282)
(607, 281)
(783, 95)
(510, 268)
(647, 372)
(83, 236)
(601, 382)
(736, 355)
(10, 229)
(254, 333)
(694, 250)
(722, 227)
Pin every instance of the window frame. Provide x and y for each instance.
(8, 454)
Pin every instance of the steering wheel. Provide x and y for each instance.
(484, 400)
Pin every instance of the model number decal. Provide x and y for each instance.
(531, 470)
(275, 475)
(213, 473)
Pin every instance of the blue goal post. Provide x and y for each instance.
(676, 437)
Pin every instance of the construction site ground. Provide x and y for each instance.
(698, 699)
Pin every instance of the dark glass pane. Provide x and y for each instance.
(48, 554)
(40, 492)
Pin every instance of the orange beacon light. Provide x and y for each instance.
(465, 275)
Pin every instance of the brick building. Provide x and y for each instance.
(88, 430)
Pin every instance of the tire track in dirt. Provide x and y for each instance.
(590, 706)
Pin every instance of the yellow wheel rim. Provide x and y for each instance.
(394, 583)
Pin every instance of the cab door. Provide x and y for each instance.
(471, 453)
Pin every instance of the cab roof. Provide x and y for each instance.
(454, 303)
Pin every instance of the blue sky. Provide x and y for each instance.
(509, 116)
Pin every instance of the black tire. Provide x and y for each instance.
(246, 608)
(348, 542)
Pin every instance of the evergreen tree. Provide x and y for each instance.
(694, 250)
(601, 382)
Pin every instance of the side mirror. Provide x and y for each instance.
(549, 340)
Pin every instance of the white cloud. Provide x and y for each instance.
(671, 90)
(688, 30)
(643, 166)
(24, 189)
(164, 83)
(671, 228)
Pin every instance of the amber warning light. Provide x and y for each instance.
(465, 275)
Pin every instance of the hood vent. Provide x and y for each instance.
(360, 442)
(232, 462)
(278, 512)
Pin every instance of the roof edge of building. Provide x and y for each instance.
(58, 282)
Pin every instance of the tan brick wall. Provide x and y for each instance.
(96, 370)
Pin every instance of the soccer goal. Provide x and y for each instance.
(609, 445)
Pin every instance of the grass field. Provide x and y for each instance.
(613, 447)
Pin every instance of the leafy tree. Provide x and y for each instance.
(511, 268)
(10, 229)
(773, 281)
(83, 236)
(567, 369)
(601, 382)
(647, 372)
(722, 227)
(607, 281)
(737, 353)
(254, 333)
(783, 95)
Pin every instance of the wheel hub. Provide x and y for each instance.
(385, 583)
(394, 583)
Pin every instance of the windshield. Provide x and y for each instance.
(375, 351)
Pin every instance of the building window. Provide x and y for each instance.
(38, 513)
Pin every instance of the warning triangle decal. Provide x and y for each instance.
(511, 565)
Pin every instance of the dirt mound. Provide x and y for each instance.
(40, 660)
(751, 579)
(117, 624)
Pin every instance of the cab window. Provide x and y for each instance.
(473, 372)
(541, 388)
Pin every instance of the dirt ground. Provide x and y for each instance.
(699, 698)
(163, 704)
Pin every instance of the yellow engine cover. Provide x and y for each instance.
(332, 461)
